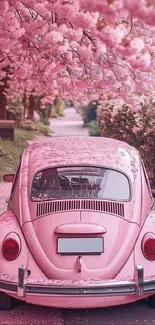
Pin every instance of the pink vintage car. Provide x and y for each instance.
(79, 231)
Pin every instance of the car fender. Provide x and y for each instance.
(149, 266)
(8, 225)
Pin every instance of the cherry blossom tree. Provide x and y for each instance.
(78, 49)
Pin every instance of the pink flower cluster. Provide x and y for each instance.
(78, 48)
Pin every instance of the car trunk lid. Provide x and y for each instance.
(69, 241)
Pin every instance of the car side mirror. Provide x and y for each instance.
(8, 178)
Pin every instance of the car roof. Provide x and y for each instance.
(88, 151)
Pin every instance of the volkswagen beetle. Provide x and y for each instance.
(79, 230)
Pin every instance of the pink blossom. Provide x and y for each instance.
(112, 36)
(54, 37)
(22, 73)
(4, 6)
(135, 46)
(40, 8)
(69, 47)
(141, 63)
(42, 63)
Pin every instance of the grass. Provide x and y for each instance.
(10, 151)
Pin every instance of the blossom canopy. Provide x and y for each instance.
(80, 49)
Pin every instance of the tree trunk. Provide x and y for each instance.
(24, 102)
(31, 107)
(3, 103)
(3, 99)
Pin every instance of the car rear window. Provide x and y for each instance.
(80, 182)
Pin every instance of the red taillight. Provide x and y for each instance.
(10, 249)
(149, 249)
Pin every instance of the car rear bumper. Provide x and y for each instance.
(22, 288)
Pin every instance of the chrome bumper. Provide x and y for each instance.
(137, 288)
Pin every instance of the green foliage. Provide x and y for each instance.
(45, 121)
(28, 125)
(39, 126)
(58, 108)
(89, 112)
(10, 151)
(105, 121)
(15, 109)
(42, 128)
(94, 129)
(45, 112)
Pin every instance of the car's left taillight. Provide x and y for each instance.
(11, 247)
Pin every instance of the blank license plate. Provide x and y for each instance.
(75, 246)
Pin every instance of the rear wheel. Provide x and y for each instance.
(151, 301)
(7, 302)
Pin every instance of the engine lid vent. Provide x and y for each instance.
(45, 208)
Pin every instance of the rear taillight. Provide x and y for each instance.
(11, 247)
(148, 246)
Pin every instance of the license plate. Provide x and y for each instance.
(83, 246)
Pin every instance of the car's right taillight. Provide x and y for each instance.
(148, 246)
(11, 247)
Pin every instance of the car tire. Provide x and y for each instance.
(7, 302)
(151, 301)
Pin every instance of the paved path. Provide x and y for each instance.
(138, 313)
(68, 125)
